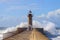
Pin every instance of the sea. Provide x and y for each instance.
(54, 37)
(2, 30)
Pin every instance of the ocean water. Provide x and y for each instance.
(54, 37)
(2, 30)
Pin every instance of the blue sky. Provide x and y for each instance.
(13, 12)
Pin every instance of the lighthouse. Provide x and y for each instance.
(30, 20)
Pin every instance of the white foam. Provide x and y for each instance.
(57, 38)
(1, 36)
(36, 24)
(48, 26)
(11, 29)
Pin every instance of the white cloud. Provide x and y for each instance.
(8, 21)
(55, 13)
(53, 16)
(43, 15)
(6, 18)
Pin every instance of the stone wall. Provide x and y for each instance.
(9, 34)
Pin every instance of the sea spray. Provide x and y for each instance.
(48, 26)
